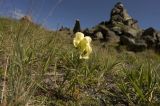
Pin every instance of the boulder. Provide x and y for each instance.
(102, 31)
(77, 27)
(64, 28)
(151, 37)
(132, 44)
(117, 13)
(117, 30)
(27, 18)
(99, 35)
(88, 32)
(149, 31)
(124, 40)
(120, 15)
(151, 42)
(130, 32)
(138, 46)
(158, 36)
(157, 49)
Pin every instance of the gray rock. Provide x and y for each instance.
(117, 13)
(120, 14)
(88, 32)
(132, 44)
(151, 42)
(77, 27)
(129, 32)
(117, 30)
(157, 49)
(64, 28)
(107, 34)
(151, 37)
(138, 46)
(149, 31)
(99, 35)
(27, 18)
(124, 40)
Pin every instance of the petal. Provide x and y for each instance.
(82, 45)
(84, 42)
(86, 52)
(88, 39)
(78, 37)
(88, 49)
(84, 57)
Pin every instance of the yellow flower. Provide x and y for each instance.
(83, 45)
(78, 37)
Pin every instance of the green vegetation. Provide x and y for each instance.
(40, 67)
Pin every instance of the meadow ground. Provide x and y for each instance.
(42, 68)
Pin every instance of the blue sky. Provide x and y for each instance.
(54, 13)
